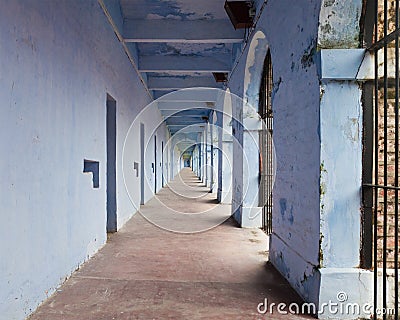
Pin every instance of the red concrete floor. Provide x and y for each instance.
(145, 272)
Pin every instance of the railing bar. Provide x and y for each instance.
(384, 41)
(385, 159)
(376, 150)
(378, 186)
(367, 176)
(396, 170)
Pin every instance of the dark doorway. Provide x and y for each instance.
(266, 170)
(155, 164)
(111, 129)
(142, 174)
(162, 163)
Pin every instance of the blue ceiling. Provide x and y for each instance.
(178, 44)
(167, 9)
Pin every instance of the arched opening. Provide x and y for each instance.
(266, 162)
(246, 180)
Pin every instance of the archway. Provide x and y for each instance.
(249, 213)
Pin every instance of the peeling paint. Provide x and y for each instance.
(322, 185)
(340, 174)
(328, 3)
(322, 189)
(321, 252)
(184, 49)
(351, 129)
(275, 89)
(291, 217)
(307, 59)
(339, 24)
(321, 92)
(254, 65)
(282, 205)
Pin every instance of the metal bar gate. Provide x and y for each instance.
(381, 157)
(266, 145)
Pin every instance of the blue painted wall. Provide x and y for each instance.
(291, 30)
(58, 61)
(316, 209)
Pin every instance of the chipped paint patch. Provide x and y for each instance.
(254, 65)
(291, 217)
(173, 9)
(307, 60)
(282, 206)
(321, 251)
(351, 129)
(339, 25)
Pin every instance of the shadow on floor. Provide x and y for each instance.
(144, 272)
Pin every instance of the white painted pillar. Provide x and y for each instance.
(195, 160)
(208, 156)
(225, 145)
(216, 128)
(203, 157)
(251, 212)
(211, 153)
(172, 159)
(340, 183)
(225, 189)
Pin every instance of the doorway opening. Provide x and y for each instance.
(142, 174)
(155, 164)
(162, 164)
(111, 188)
(266, 162)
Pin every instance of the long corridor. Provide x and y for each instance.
(145, 272)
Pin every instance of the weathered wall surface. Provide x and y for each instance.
(290, 30)
(317, 137)
(59, 59)
(339, 25)
(155, 147)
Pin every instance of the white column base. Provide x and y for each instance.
(226, 197)
(349, 291)
(251, 217)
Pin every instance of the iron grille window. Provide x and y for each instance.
(266, 145)
(381, 155)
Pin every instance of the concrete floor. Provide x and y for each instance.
(145, 272)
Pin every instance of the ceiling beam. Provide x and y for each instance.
(160, 93)
(199, 31)
(174, 83)
(209, 96)
(182, 105)
(186, 113)
(187, 116)
(159, 63)
(184, 122)
(191, 120)
(195, 129)
(183, 125)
